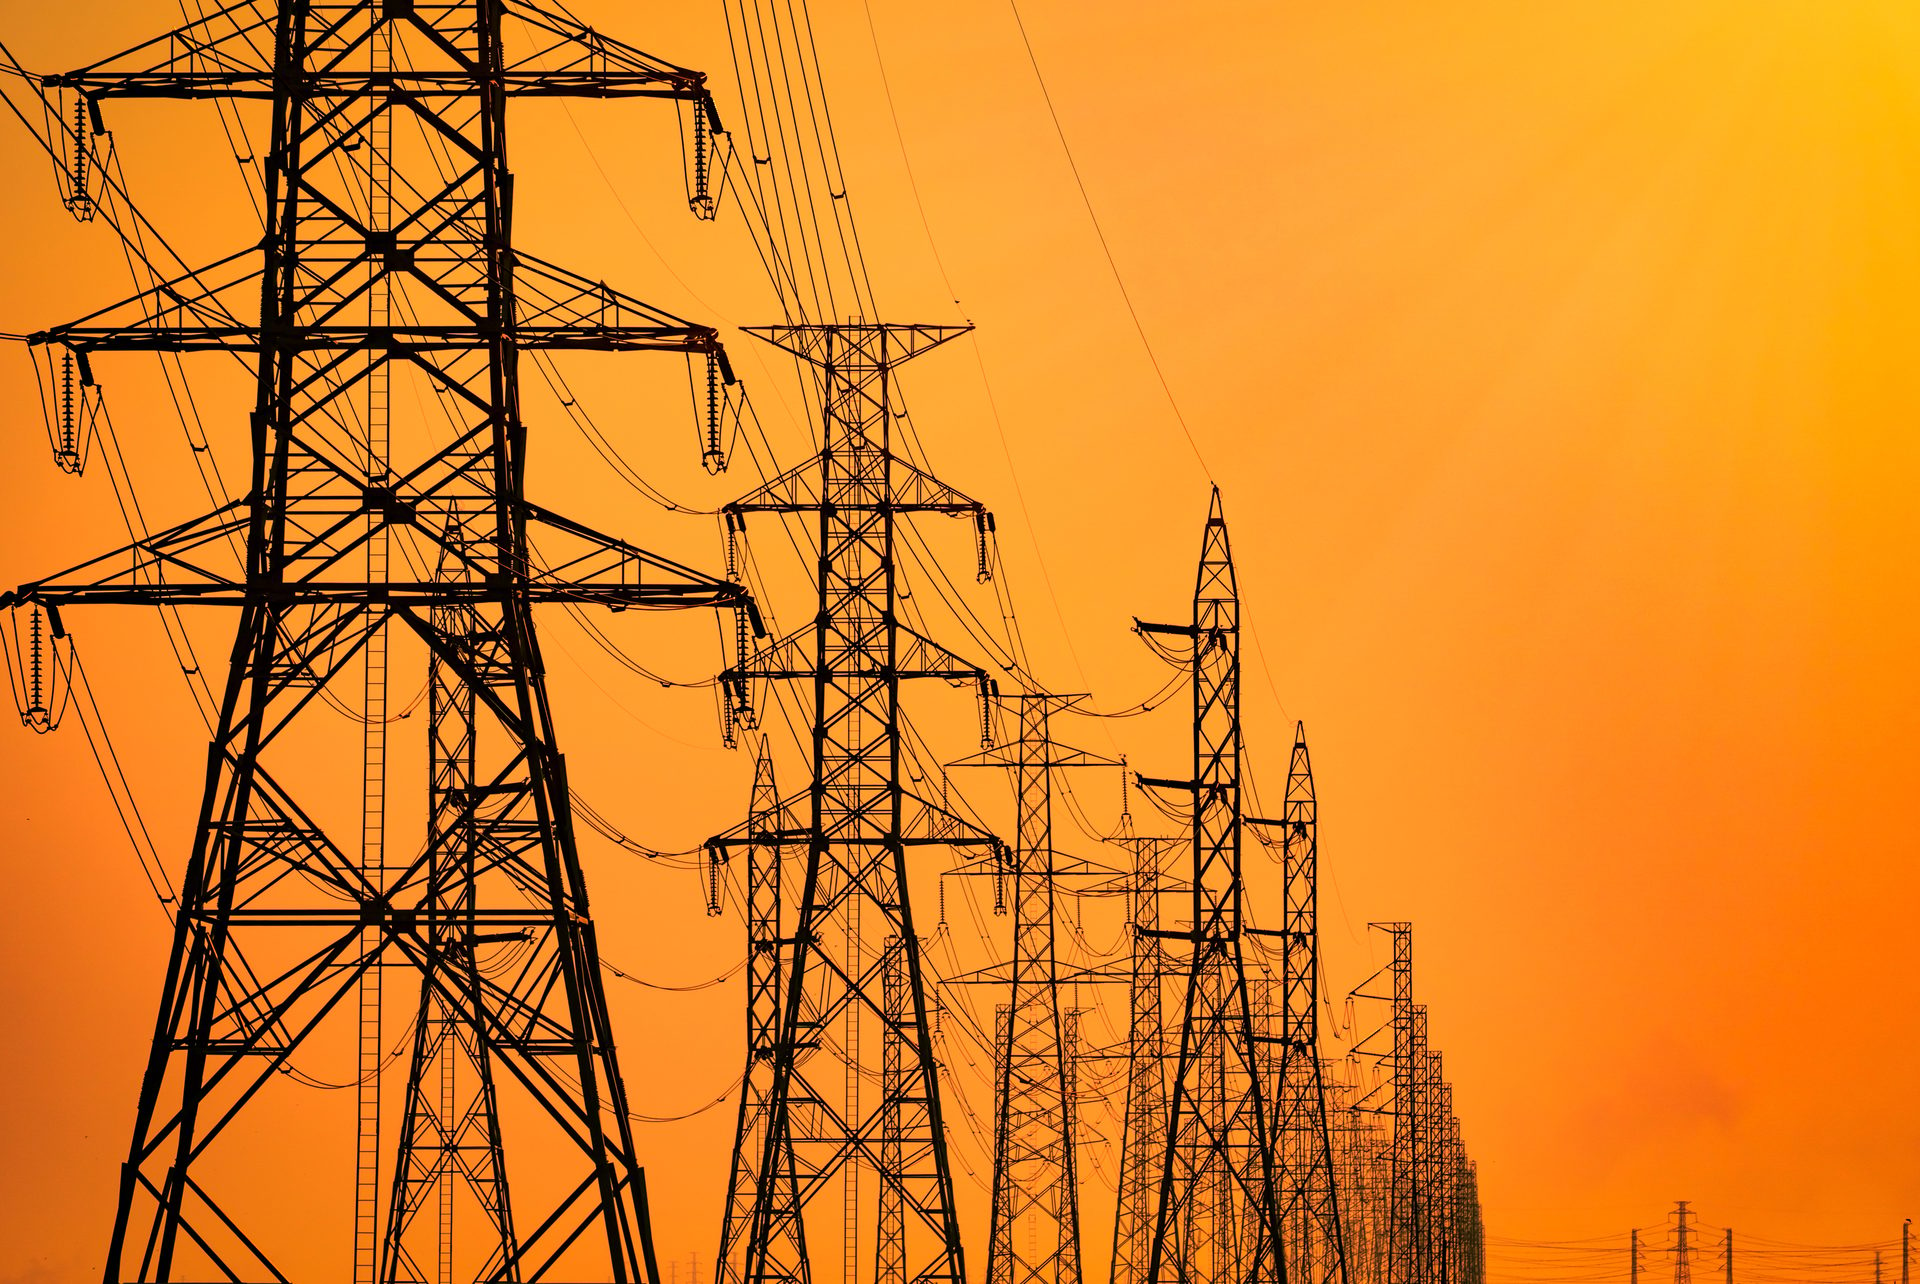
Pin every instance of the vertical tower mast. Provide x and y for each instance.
(855, 920)
(1218, 1172)
(1682, 1246)
(1034, 1234)
(1403, 1193)
(768, 832)
(399, 268)
(450, 1141)
(1420, 1145)
(1144, 1129)
(1309, 1205)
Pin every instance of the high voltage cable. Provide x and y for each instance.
(1107, 249)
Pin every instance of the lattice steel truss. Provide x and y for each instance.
(842, 1017)
(769, 831)
(1217, 1215)
(1144, 1130)
(388, 263)
(1034, 1232)
(1405, 1217)
(1315, 1246)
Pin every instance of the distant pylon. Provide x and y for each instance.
(1143, 1135)
(1315, 1247)
(1403, 1196)
(767, 834)
(1421, 1136)
(1682, 1244)
(854, 923)
(1034, 1231)
(450, 1127)
(1217, 1175)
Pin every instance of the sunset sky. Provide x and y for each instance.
(1556, 363)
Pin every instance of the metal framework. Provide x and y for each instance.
(1034, 1233)
(769, 832)
(1309, 1203)
(1217, 1175)
(1403, 1191)
(1144, 1130)
(1422, 1145)
(1682, 1249)
(854, 925)
(387, 261)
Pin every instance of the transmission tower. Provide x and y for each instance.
(387, 260)
(1144, 1130)
(1217, 1174)
(1404, 1215)
(855, 920)
(451, 1129)
(768, 832)
(1309, 1206)
(1035, 1185)
(1682, 1246)
(1423, 1145)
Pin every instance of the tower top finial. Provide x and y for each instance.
(1216, 557)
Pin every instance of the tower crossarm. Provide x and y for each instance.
(204, 310)
(793, 658)
(913, 491)
(193, 564)
(229, 53)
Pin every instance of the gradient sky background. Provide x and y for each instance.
(1557, 363)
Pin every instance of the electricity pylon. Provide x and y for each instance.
(769, 831)
(1421, 1145)
(1144, 1129)
(1217, 1174)
(1034, 1229)
(1309, 1203)
(1682, 1245)
(854, 924)
(366, 280)
(1403, 1189)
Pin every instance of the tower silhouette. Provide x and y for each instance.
(1217, 1175)
(387, 263)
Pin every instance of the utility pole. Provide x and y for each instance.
(854, 922)
(371, 271)
(1218, 1171)
(1729, 1280)
(1906, 1249)
(1633, 1258)
(1682, 1250)
(1035, 1183)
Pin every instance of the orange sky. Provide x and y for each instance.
(1555, 363)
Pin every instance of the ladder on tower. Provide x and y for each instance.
(373, 778)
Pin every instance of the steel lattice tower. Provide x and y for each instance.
(371, 272)
(768, 832)
(450, 1133)
(1403, 1192)
(1034, 1233)
(1309, 1205)
(854, 921)
(1220, 1153)
(1144, 1130)
(1421, 1145)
